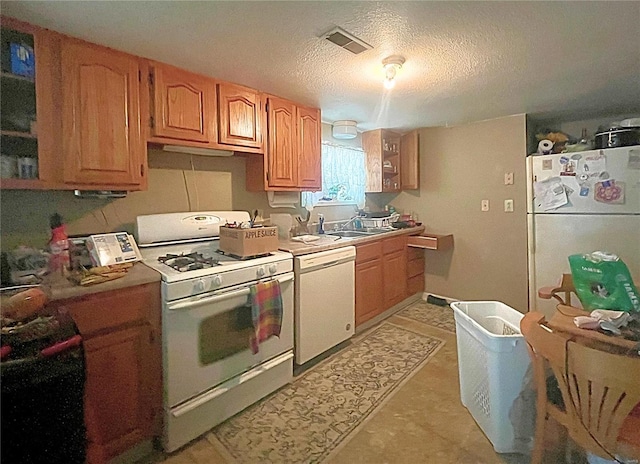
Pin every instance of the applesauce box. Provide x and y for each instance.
(248, 242)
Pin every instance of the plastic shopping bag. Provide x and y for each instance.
(602, 281)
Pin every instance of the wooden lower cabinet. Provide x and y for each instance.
(415, 270)
(118, 413)
(394, 266)
(369, 291)
(395, 277)
(123, 387)
(387, 272)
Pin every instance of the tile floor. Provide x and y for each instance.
(424, 422)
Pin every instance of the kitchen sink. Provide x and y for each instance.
(349, 233)
(375, 230)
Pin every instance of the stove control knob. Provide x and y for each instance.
(200, 285)
(260, 271)
(273, 268)
(216, 281)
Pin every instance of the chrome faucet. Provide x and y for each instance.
(346, 224)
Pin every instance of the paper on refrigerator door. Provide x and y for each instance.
(107, 249)
(594, 165)
(550, 193)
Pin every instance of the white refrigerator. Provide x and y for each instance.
(579, 203)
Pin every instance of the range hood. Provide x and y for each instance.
(197, 150)
(100, 193)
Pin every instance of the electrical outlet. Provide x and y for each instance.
(508, 178)
(508, 206)
(484, 205)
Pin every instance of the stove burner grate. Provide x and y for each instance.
(188, 262)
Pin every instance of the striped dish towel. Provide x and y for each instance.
(266, 312)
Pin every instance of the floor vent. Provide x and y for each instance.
(343, 39)
(437, 301)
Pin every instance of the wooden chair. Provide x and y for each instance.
(604, 389)
(597, 392)
(561, 292)
(548, 352)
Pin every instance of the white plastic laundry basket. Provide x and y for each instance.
(492, 362)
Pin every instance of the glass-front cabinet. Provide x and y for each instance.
(30, 124)
(18, 125)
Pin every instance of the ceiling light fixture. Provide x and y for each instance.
(391, 66)
(344, 130)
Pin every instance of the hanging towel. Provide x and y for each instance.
(266, 312)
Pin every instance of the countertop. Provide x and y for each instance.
(329, 242)
(139, 274)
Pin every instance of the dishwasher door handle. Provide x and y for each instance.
(329, 264)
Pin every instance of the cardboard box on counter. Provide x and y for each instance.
(248, 242)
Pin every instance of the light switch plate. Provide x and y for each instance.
(484, 205)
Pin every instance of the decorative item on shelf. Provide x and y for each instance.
(22, 60)
(8, 167)
(27, 168)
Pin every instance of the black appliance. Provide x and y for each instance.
(42, 377)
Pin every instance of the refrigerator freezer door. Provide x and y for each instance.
(555, 237)
(622, 196)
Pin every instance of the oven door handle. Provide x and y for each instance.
(207, 299)
(226, 386)
(184, 305)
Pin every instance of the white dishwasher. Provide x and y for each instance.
(324, 301)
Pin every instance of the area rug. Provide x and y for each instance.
(430, 314)
(307, 420)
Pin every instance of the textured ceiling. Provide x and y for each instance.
(465, 61)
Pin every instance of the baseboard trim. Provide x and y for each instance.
(448, 298)
(394, 309)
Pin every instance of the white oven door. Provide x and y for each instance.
(206, 339)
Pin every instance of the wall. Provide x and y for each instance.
(460, 166)
(177, 182)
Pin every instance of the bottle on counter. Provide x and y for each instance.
(58, 245)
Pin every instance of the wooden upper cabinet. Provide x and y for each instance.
(409, 161)
(183, 104)
(292, 158)
(309, 151)
(102, 141)
(382, 150)
(392, 160)
(239, 116)
(27, 100)
(282, 148)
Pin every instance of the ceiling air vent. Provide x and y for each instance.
(343, 39)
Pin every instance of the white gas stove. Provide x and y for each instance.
(183, 247)
(209, 370)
